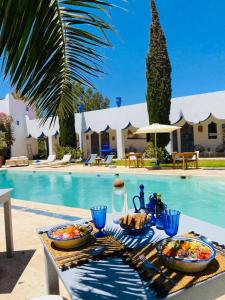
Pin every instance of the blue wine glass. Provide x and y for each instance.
(171, 220)
(99, 218)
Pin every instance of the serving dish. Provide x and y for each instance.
(135, 232)
(70, 236)
(135, 224)
(201, 254)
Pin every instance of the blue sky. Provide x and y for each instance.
(196, 46)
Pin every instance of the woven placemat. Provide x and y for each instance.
(65, 259)
(180, 280)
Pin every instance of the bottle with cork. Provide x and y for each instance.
(119, 200)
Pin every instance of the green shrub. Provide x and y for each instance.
(162, 154)
(60, 151)
(42, 151)
(6, 133)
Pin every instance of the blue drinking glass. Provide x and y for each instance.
(99, 218)
(171, 220)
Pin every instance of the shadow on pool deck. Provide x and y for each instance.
(46, 213)
(11, 269)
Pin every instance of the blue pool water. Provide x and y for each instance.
(200, 197)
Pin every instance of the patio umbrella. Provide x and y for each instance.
(157, 128)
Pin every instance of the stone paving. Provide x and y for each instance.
(79, 168)
(22, 276)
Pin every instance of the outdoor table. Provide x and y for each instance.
(98, 161)
(112, 278)
(138, 156)
(185, 156)
(5, 200)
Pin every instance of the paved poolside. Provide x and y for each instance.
(79, 168)
(23, 277)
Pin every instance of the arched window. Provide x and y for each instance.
(212, 130)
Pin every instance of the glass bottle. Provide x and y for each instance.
(119, 200)
(159, 209)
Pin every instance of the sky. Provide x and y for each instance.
(196, 45)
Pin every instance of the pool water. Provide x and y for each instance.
(200, 197)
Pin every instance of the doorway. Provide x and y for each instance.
(95, 143)
(105, 138)
(187, 138)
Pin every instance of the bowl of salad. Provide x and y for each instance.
(189, 255)
(70, 236)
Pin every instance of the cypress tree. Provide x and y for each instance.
(67, 131)
(158, 75)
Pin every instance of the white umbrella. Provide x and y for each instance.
(157, 128)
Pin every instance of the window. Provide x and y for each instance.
(212, 130)
(200, 128)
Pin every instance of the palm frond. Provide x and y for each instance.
(46, 45)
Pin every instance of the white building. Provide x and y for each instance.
(202, 118)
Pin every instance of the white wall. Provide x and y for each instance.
(33, 144)
(202, 137)
(138, 143)
(17, 109)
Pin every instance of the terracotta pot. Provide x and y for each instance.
(1, 161)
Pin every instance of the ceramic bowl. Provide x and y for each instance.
(182, 264)
(70, 243)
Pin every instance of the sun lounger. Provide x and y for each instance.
(108, 160)
(91, 159)
(19, 161)
(66, 159)
(50, 159)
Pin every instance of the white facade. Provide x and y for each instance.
(18, 111)
(195, 112)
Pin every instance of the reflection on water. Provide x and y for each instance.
(199, 197)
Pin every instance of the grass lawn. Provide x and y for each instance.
(201, 163)
(212, 163)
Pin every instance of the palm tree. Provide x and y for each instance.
(47, 45)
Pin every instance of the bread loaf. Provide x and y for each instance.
(135, 221)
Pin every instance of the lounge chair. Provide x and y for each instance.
(91, 159)
(19, 161)
(66, 159)
(43, 163)
(108, 160)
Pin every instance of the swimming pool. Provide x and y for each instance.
(200, 197)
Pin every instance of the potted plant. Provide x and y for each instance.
(3, 148)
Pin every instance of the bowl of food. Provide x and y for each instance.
(136, 224)
(189, 255)
(70, 236)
